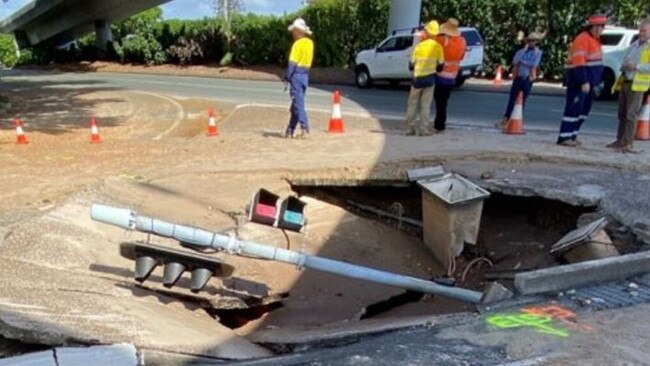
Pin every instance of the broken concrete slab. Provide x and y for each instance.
(600, 246)
(290, 338)
(582, 274)
(148, 357)
(496, 292)
(425, 173)
(588, 242)
(43, 358)
(82, 295)
(578, 237)
(58, 307)
(117, 354)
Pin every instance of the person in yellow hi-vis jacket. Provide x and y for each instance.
(297, 77)
(427, 58)
(633, 84)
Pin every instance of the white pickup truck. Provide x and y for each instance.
(389, 61)
(615, 42)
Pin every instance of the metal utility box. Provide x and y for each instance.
(451, 214)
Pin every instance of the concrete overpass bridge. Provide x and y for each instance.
(62, 21)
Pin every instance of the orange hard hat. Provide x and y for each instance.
(597, 19)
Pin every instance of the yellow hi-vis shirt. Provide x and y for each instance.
(426, 57)
(641, 80)
(302, 53)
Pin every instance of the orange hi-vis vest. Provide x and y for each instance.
(585, 61)
(454, 49)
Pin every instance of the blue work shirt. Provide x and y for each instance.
(527, 58)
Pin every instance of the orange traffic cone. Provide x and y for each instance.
(498, 78)
(94, 132)
(212, 124)
(336, 121)
(515, 125)
(643, 124)
(21, 139)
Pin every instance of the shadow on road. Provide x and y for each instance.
(55, 109)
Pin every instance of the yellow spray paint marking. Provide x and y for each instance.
(542, 323)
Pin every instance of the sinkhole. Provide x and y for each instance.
(515, 235)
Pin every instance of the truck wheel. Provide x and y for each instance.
(604, 90)
(363, 79)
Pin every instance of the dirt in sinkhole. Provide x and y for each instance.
(516, 234)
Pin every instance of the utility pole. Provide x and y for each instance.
(404, 14)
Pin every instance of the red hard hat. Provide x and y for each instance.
(597, 19)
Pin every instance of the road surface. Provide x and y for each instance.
(469, 106)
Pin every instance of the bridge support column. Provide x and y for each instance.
(404, 14)
(104, 34)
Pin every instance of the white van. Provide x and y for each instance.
(390, 60)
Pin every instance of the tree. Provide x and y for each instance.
(8, 50)
(226, 9)
(136, 38)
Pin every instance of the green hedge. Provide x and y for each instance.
(261, 40)
(342, 28)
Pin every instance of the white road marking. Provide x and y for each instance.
(179, 116)
(14, 305)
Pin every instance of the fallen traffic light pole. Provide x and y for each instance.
(204, 239)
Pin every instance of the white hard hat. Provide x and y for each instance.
(300, 24)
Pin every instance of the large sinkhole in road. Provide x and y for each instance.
(515, 235)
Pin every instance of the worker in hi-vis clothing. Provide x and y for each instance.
(427, 57)
(633, 85)
(297, 77)
(584, 71)
(524, 73)
(453, 45)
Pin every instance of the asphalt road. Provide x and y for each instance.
(471, 106)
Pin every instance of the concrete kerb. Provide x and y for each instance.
(117, 354)
(582, 274)
(539, 88)
(332, 335)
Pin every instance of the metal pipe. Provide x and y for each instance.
(379, 212)
(130, 220)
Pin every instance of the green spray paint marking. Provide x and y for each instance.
(538, 322)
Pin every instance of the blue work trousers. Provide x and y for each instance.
(297, 89)
(576, 111)
(518, 85)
